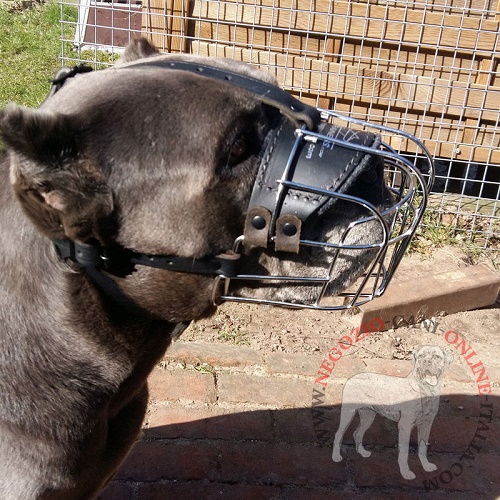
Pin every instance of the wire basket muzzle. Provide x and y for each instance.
(331, 215)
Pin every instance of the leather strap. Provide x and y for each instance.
(295, 110)
(321, 164)
(120, 261)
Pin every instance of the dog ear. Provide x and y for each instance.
(448, 356)
(138, 48)
(414, 355)
(64, 193)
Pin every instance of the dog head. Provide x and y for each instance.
(164, 163)
(430, 363)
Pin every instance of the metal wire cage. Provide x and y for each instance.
(395, 224)
(428, 67)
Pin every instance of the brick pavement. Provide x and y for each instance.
(229, 422)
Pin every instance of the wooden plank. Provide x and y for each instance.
(442, 134)
(418, 93)
(401, 59)
(443, 137)
(469, 8)
(359, 21)
(164, 23)
(483, 78)
(265, 39)
(450, 292)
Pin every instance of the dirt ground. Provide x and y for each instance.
(274, 329)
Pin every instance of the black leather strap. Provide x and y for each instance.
(120, 261)
(296, 111)
(322, 164)
(63, 74)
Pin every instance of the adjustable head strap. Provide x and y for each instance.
(121, 262)
(296, 111)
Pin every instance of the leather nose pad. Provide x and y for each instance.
(288, 228)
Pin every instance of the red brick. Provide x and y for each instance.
(207, 491)
(456, 495)
(329, 494)
(383, 464)
(214, 354)
(294, 426)
(396, 368)
(457, 371)
(475, 478)
(488, 465)
(242, 388)
(492, 443)
(459, 400)
(298, 364)
(452, 435)
(460, 290)
(155, 460)
(279, 464)
(382, 468)
(173, 385)
(117, 491)
(490, 363)
(382, 432)
(209, 423)
(177, 421)
(297, 493)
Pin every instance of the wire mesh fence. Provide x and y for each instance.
(429, 67)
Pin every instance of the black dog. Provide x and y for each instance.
(140, 162)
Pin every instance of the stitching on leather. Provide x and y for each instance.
(305, 197)
(267, 159)
(318, 198)
(348, 166)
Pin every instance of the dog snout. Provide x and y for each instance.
(371, 184)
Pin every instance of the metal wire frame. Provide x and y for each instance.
(370, 59)
(397, 223)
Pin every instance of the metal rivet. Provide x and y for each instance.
(259, 222)
(289, 229)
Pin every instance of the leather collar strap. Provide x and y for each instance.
(120, 262)
(63, 74)
(296, 111)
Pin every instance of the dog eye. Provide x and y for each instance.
(238, 151)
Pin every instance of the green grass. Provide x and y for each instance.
(30, 50)
(431, 234)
